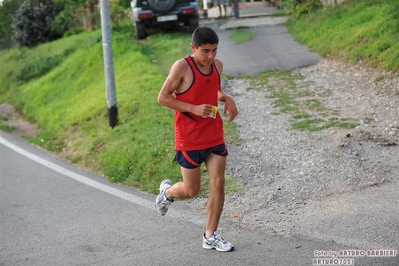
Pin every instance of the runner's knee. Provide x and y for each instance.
(218, 183)
(191, 191)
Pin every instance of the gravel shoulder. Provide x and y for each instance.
(334, 184)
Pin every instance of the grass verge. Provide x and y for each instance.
(364, 31)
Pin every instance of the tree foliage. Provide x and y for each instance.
(7, 9)
(83, 14)
(32, 21)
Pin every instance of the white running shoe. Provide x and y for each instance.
(162, 202)
(216, 241)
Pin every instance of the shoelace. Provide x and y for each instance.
(217, 236)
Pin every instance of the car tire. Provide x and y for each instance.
(193, 23)
(140, 30)
(161, 5)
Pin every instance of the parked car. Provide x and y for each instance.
(164, 14)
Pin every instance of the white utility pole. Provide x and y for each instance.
(108, 64)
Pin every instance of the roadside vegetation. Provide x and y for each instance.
(60, 86)
(360, 31)
(241, 36)
(293, 97)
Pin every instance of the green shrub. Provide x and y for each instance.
(32, 21)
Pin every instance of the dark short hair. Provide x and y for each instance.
(204, 35)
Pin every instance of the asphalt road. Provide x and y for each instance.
(271, 48)
(52, 213)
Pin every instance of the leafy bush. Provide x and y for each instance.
(120, 10)
(32, 21)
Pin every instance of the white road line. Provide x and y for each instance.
(80, 178)
(105, 188)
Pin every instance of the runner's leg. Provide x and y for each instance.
(216, 166)
(189, 187)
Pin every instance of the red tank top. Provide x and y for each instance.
(195, 132)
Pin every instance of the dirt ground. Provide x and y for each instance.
(20, 126)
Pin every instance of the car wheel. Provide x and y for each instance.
(161, 5)
(140, 30)
(193, 23)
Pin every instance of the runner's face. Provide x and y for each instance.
(205, 54)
